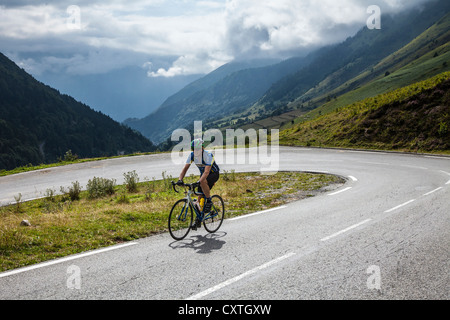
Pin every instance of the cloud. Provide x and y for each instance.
(189, 64)
(159, 29)
(177, 37)
(281, 27)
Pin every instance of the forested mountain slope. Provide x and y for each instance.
(39, 125)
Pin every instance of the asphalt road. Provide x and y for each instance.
(382, 235)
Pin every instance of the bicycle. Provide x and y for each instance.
(181, 215)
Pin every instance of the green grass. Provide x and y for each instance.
(61, 227)
(414, 118)
(421, 69)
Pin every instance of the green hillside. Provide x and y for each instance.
(288, 89)
(370, 63)
(424, 57)
(415, 118)
(39, 125)
(360, 59)
(225, 91)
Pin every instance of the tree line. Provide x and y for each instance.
(39, 125)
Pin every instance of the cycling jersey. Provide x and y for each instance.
(207, 160)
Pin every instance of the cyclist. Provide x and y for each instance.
(209, 170)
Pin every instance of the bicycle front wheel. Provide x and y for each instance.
(180, 219)
(213, 223)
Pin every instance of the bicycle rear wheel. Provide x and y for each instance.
(217, 214)
(180, 219)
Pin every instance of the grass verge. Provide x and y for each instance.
(411, 119)
(60, 226)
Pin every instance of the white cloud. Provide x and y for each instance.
(190, 64)
(201, 35)
(274, 27)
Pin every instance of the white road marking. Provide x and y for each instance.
(239, 277)
(402, 205)
(448, 182)
(26, 200)
(375, 163)
(428, 193)
(257, 213)
(340, 191)
(56, 261)
(369, 152)
(353, 178)
(437, 157)
(345, 230)
(413, 167)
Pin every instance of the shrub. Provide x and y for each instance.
(18, 199)
(131, 181)
(149, 189)
(73, 192)
(100, 187)
(443, 128)
(167, 180)
(122, 198)
(68, 157)
(229, 176)
(50, 195)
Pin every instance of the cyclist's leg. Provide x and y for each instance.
(203, 195)
(205, 188)
(200, 190)
(211, 181)
(197, 222)
(207, 185)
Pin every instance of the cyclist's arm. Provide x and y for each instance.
(205, 174)
(184, 171)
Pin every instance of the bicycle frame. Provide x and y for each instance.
(200, 215)
(180, 223)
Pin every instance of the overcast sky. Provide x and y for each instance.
(170, 38)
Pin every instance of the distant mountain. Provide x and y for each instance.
(39, 125)
(214, 77)
(244, 96)
(121, 94)
(227, 90)
(424, 57)
(335, 65)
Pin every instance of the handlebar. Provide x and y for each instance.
(190, 186)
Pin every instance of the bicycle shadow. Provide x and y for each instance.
(202, 244)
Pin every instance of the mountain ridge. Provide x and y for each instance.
(39, 125)
(415, 118)
(235, 90)
(422, 58)
(363, 50)
(234, 98)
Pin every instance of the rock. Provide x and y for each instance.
(25, 223)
